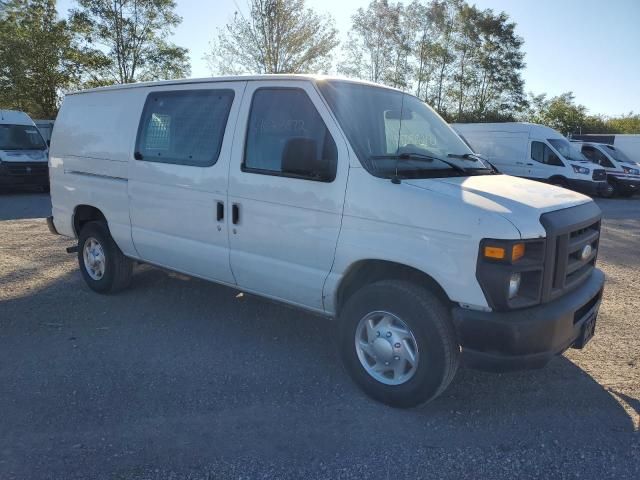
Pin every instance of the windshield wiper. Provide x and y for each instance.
(418, 156)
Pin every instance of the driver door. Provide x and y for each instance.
(287, 184)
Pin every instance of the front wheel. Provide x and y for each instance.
(104, 267)
(398, 343)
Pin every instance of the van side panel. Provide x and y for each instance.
(439, 237)
(90, 148)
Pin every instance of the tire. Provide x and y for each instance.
(625, 193)
(559, 182)
(615, 190)
(430, 325)
(116, 269)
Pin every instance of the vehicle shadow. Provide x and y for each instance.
(176, 370)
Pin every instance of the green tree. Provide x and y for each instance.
(378, 45)
(132, 35)
(560, 113)
(277, 36)
(39, 59)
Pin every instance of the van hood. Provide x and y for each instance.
(518, 200)
(23, 156)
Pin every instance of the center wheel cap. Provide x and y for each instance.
(383, 350)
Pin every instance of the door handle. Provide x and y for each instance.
(530, 164)
(220, 212)
(235, 213)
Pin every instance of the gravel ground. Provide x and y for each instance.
(177, 378)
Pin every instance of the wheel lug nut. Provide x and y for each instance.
(388, 334)
(397, 345)
(396, 358)
(386, 363)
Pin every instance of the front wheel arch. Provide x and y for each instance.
(365, 272)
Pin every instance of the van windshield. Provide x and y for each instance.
(20, 137)
(618, 155)
(567, 150)
(394, 133)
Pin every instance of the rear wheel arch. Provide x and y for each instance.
(83, 214)
(366, 272)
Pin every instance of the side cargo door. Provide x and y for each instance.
(178, 178)
(287, 185)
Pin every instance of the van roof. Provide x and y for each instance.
(234, 78)
(14, 117)
(512, 127)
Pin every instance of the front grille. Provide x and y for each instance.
(599, 174)
(573, 236)
(27, 169)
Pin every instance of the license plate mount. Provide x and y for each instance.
(587, 330)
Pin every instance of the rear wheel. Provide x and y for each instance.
(398, 343)
(104, 267)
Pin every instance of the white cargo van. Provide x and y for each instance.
(623, 174)
(628, 144)
(536, 152)
(23, 152)
(345, 198)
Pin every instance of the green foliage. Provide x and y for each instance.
(131, 34)
(277, 36)
(465, 62)
(39, 59)
(563, 114)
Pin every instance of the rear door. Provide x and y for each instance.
(287, 185)
(178, 178)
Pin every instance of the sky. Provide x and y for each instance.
(589, 47)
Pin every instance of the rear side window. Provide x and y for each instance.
(184, 127)
(287, 137)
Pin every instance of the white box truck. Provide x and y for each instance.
(536, 152)
(345, 198)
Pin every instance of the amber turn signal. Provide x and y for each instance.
(494, 252)
(517, 252)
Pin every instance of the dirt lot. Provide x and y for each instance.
(179, 378)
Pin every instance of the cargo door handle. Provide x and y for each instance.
(530, 164)
(220, 212)
(235, 213)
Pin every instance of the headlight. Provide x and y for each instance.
(510, 272)
(630, 171)
(579, 169)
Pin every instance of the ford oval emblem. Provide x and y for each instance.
(586, 252)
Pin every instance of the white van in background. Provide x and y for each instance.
(345, 198)
(23, 151)
(623, 174)
(629, 144)
(536, 152)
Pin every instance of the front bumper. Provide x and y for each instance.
(36, 173)
(628, 184)
(588, 187)
(527, 338)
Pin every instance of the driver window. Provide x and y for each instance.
(540, 152)
(597, 156)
